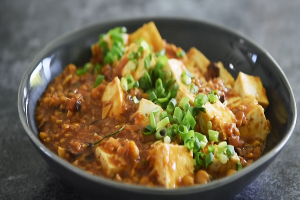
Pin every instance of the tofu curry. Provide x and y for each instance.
(142, 111)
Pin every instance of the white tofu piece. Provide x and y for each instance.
(177, 67)
(247, 85)
(257, 126)
(116, 155)
(197, 62)
(145, 109)
(225, 76)
(114, 95)
(219, 115)
(218, 169)
(170, 163)
(107, 163)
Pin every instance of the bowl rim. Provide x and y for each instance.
(138, 188)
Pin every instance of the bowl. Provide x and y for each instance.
(218, 44)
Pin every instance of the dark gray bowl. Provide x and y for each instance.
(218, 44)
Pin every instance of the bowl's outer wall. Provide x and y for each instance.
(217, 44)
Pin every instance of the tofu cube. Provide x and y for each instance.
(247, 85)
(170, 163)
(219, 115)
(177, 67)
(149, 33)
(197, 62)
(114, 96)
(145, 109)
(117, 155)
(225, 76)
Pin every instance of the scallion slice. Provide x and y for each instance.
(152, 120)
(148, 130)
(98, 80)
(212, 98)
(163, 115)
(162, 123)
(147, 62)
(177, 116)
(209, 159)
(213, 135)
(161, 133)
(239, 166)
(167, 139)
(135, 100)
(211, 148)
(200, 100)
(186, 79)
(124, 84)
(183, 102)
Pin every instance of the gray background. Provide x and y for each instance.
(27, 26)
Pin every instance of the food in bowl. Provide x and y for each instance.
(143, 111)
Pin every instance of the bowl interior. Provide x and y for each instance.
(216, 43)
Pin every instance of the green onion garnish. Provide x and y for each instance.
(183, 102)
(124, 84)
(148, 130)
(163, 115)
(212, 98)
(194, 89)
(180, 54)
(98, 80)
(200, 100)
(135, 100)
(174, 91)
(211, 148)
(213, 135)
(147, 62)
(209, 159)
(152, 120)
(130, 81)
(161, 133)
(162, 123)
(186, 79)
(239, 166)
(177, 116)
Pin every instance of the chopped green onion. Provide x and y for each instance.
(180, 54)
(189, 73)
(188, 136)
(160, 63)
(136, 84)
(155, 111)
(165, 99)
(185, 122)
(130, 81)
(170, 118)
(190, 119)
(177, 116)
(124, 84)
(98, 80)
(229, 151)
(221, 146)
(84, 70)
(163, 115)
(186, 107)
(183, 130)
(161, 133)
(152, 96)
(173, 131)
(147, 62)
(174, 91)
(97, 68)
(162, 123)
(148, 130)
(135, 100)
(194, 88)
(239, 166)
(223, 158)
(197, 145)
(131, 65)
(183, 102)
(152, 120)
(186, 79)
(209, 159)
(213, 135)
(159, 89)
(167, 139)
(199, 157)
(148, 79)
(211, 149)
(200, 100)
(212, 98)
(209, 125)
(161, 53)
